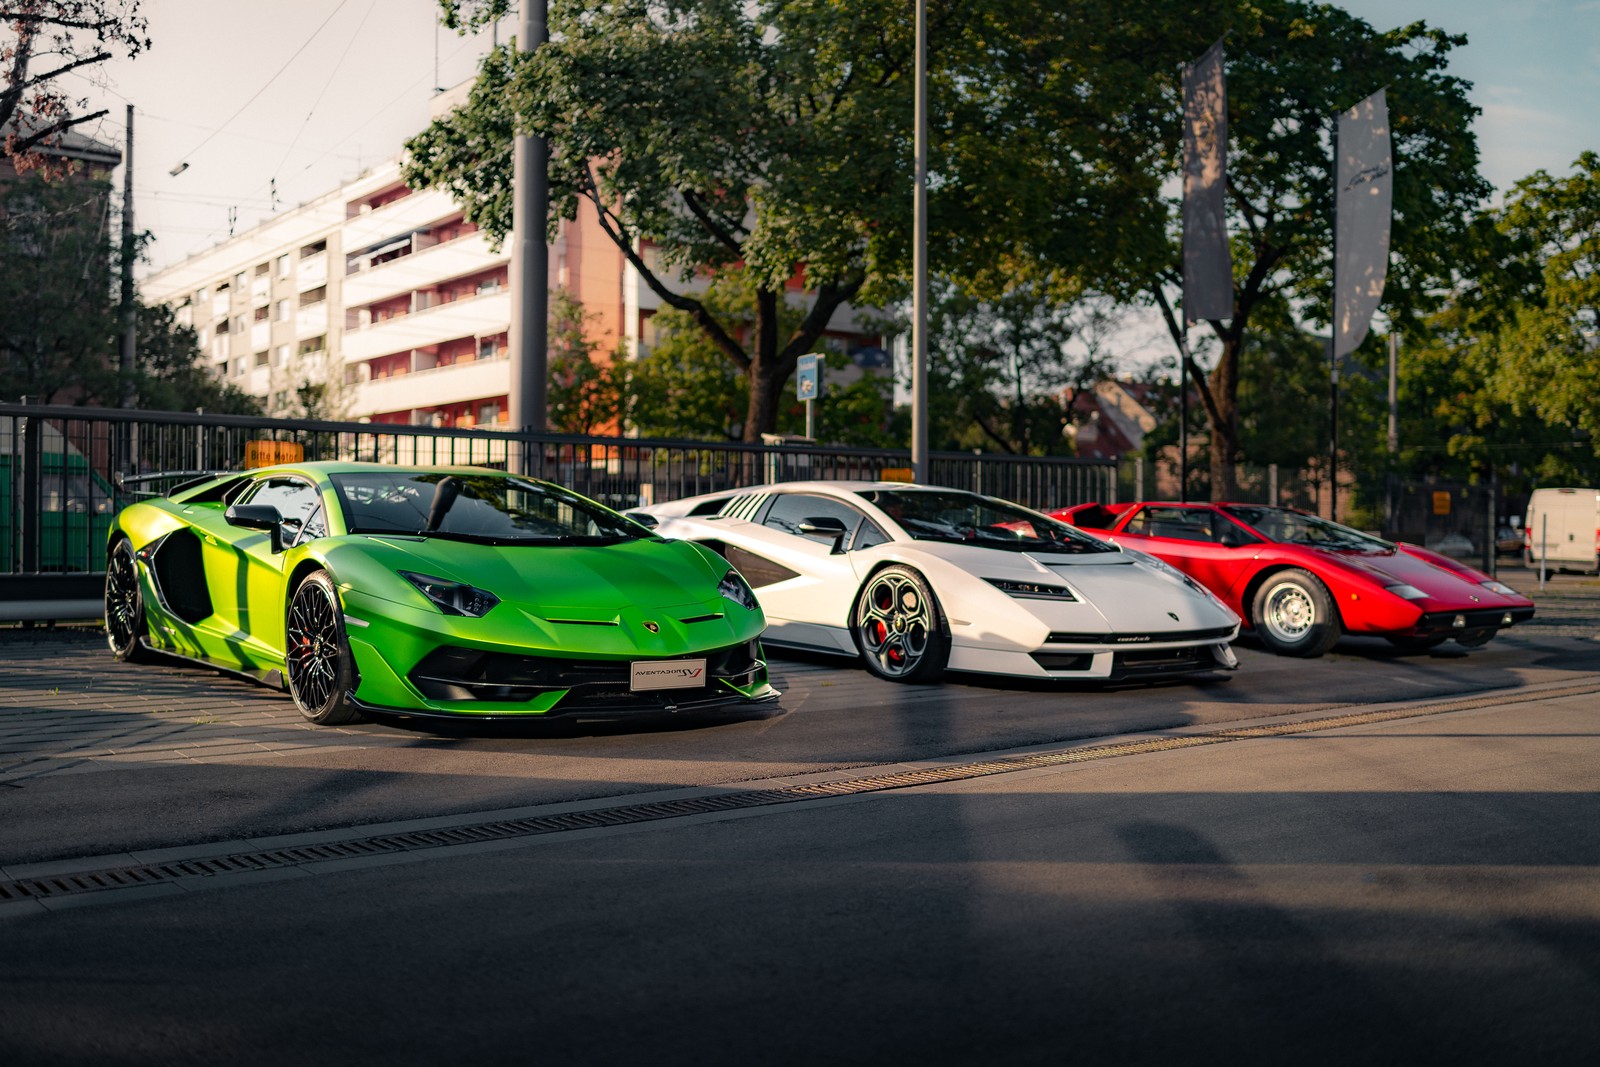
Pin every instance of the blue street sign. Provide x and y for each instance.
(808, 377)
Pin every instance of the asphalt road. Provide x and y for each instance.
(1367, 857)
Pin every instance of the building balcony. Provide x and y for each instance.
(260, 335)
(420, 270)
(455, 384)
(410, 213)
(219, 305)
(311, 272)
(477, 316)
(261, 287)
(310, 321)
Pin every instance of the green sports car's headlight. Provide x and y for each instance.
(733, 587)
(453, 598)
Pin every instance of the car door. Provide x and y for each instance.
(1198, 540)
(246, 577)
(805, 587)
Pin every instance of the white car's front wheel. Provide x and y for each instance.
(899, 627)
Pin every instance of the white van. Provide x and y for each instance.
(1563, 529)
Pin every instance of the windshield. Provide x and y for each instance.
(1298, 528)
(969, 519)
(482, 507)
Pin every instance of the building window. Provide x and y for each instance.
(224, 327)
(315, 248)
(262, 269)
(261, 313)
(314, 296)
(486, 348)
(263, 358)
(223, 287)
(312, 345)
(283, 265)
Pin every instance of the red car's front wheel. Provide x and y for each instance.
(1294, 614)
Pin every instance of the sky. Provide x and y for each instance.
(274, 104)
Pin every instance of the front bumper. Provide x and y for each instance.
(1477, 623)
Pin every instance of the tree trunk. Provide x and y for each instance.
(1223, 416)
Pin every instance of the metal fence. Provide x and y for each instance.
(65, 472)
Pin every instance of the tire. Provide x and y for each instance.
(1416, 644)
(1294, 614)
(317, 656)
(126, 625)
(899, 627)
(1476, 640)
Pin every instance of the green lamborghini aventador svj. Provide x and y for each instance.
(459, 592)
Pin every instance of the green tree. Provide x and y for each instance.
(46, 41)
(57, 320)
(1004, 372)
(169, 374)
(775, 138)
(586, 395)
(1292, 66)
(1544, 357)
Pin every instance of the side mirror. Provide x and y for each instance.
(827, 525)
(649, 521)
(258, 517)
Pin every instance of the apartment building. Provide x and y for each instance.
(396, 302)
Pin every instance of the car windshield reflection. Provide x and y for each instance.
(968, 519)
(486, 508)
(1298, 528)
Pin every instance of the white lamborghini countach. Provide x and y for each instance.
(918, 579)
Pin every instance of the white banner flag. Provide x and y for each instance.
(1365, 190)
(1207, 264)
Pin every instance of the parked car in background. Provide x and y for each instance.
(1508, 541)
(457, 592)
(918, 579)
(1453, 544)
(1563, 529)
(1301, 582)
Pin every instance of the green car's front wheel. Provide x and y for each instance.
(317, 659)
(125, 621)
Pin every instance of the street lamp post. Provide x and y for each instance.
(527, 398)
(919, 262)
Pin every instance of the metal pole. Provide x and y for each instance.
(1333, 346)
(130, 317)
(811, 419)
(919, 261)
(1491, 549)
(1544, 545)
(527, 398)
(1394, 394)
(1183, 413)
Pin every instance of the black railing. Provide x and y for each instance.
(65, 471)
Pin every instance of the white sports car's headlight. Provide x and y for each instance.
(733, 587)
(453, 598)
(1031, 590)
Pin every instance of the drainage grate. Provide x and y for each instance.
(630, 814)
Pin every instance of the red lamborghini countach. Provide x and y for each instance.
(1301, 582)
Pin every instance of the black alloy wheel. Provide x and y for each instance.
(317, 656)
(125, 620)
